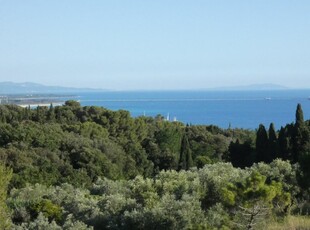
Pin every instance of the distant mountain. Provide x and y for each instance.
(253, 87)
(34, 88)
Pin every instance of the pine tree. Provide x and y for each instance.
(262, 144)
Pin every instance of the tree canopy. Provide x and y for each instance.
(74, 167)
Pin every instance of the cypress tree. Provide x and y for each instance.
(241, 154)
(26, 113)
(301, 135)
(273, 144)
(261, 144)
(189, 158)
(304, 170)
(284, 144)
(299, 116)
(38, 114)
(51, 114)
(186, 160)
(234, 154)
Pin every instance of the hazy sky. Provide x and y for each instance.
(155, 44)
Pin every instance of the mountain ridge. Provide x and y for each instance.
(8, 87)
(266, 86)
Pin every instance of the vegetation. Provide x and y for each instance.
(292, 222)
(5, 176)
(73, 167)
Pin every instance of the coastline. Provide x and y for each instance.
(41, 104)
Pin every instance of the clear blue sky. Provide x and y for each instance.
(155, 44)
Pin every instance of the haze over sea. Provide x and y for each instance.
(241, 109)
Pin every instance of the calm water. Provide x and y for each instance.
(243, 109)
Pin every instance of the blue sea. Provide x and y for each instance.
(241, 109)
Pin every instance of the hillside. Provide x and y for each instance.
(74, 167)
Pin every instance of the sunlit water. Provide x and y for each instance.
(243, 109)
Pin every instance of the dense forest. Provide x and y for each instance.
(74, 167)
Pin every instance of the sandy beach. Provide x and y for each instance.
(40, 104)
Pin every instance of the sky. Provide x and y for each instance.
(162, 44)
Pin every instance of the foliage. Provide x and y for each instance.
(5, 176)
(172, 200)
(77, 167)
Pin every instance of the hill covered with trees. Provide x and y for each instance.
(74, 167)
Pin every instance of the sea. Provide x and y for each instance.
(236, 109)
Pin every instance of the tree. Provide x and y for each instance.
(255, 198)
(241, 154)
(40, 114)
(51, 114)
(301, 148)
(5, 177)
(301, 137)
(284, 144)
(304, 172)
(262, 144)
(299, 116)
(27, 113)
(72, 103)
(186, 160)
(273, 143)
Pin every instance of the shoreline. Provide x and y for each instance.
(40, 104)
